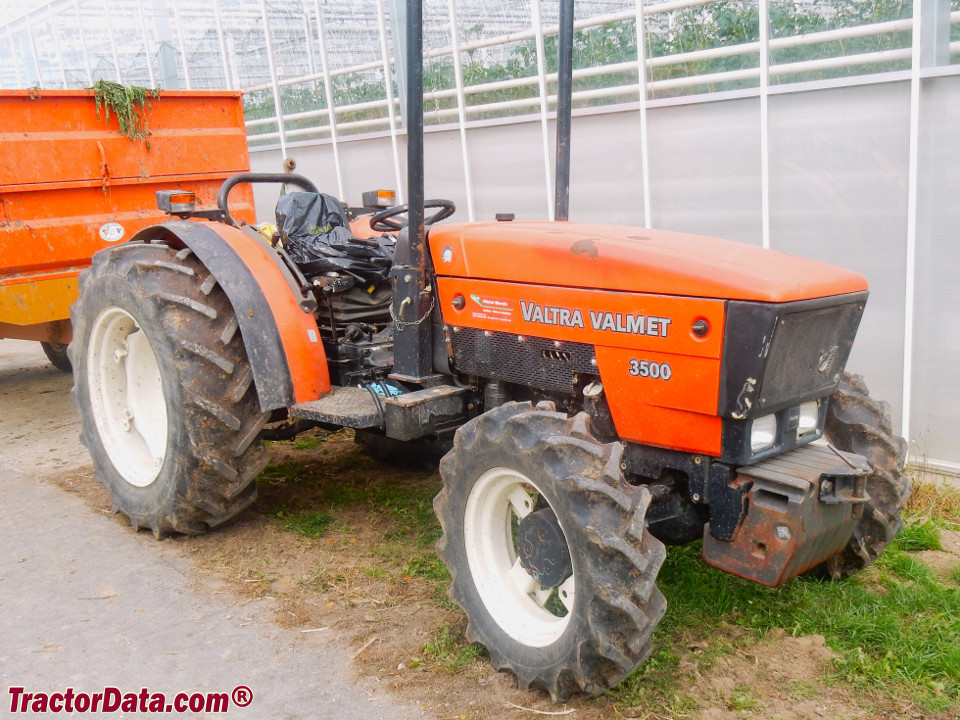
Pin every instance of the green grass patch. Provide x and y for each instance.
(427, 566)
(310, 523)
(896, 628)
(410, 509)
(450, 650)
(919, 534)
(309, 442)
(281, 472)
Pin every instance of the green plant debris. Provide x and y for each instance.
(129, 103)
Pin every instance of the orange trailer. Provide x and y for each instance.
(71, 184)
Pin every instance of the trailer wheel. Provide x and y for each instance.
(57, 355)
(859, 424)
(548, 551)
(164, 390)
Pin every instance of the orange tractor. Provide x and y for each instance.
(599, 391)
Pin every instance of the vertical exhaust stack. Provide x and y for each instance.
(564, 105)
(412, 303)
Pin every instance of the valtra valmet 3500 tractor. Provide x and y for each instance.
(601, 391)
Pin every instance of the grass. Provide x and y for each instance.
(895, 627)
(449, 649)
(310, 523)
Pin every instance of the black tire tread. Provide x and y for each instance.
(222, 417)
(57, 354)
(620, 559)
(857, 423)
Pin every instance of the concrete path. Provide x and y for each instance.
(89, 605)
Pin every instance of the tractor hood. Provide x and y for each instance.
(631, 259)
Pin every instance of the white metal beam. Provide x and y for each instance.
(544, 105)
(461, 105)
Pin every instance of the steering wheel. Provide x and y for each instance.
(387, 219)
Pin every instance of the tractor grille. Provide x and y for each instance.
(808, 353)
(531, 361)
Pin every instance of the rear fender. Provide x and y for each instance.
(275, 319)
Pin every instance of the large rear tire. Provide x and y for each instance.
(164, 390)
(859, 424)
(589, 625)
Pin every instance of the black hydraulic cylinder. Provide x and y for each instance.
(564, 103)
(412, 304)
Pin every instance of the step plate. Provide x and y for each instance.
(345, 406)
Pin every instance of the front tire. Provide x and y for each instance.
(578, 617)
(164, 390)
(859, 424)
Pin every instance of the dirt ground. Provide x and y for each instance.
(390, 613)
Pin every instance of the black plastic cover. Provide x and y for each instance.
(317, 236)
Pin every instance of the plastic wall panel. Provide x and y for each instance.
(606, 169)
(508, 171)
(838, 193)
(935, 420)
(705, 169)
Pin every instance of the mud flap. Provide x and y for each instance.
(799, 509)
(278, 329)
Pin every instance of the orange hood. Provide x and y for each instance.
(632, 259)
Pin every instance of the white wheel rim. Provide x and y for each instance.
(126, 396)
(515, 601)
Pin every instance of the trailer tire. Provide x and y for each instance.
(519, 461)
(164, 389)
(57, 355)
(859, 424)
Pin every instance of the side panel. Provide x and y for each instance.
(676, 409)
(598, 317)
(71, 184)
(661, 380)
(282, 340)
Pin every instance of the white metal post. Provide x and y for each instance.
(56, 44)
(222, 42)
(328, 94)
(911, 250)
(765, 122)
(388, 86)
(146, 43)
(33, 51)
(644, 131)
(113, 41)
(83, 42)
(544, 105)
(308, 41)
(181, 46)
(461, 105)
(275, 86)
(16, 57)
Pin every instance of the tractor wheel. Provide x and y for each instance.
(547, 547)
(57, 355)
(857, 423)
(164, 389)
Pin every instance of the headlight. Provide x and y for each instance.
(809, 417)
(763, 432)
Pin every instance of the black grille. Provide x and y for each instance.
(778, 355)
(530, 361)
(808, 353)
